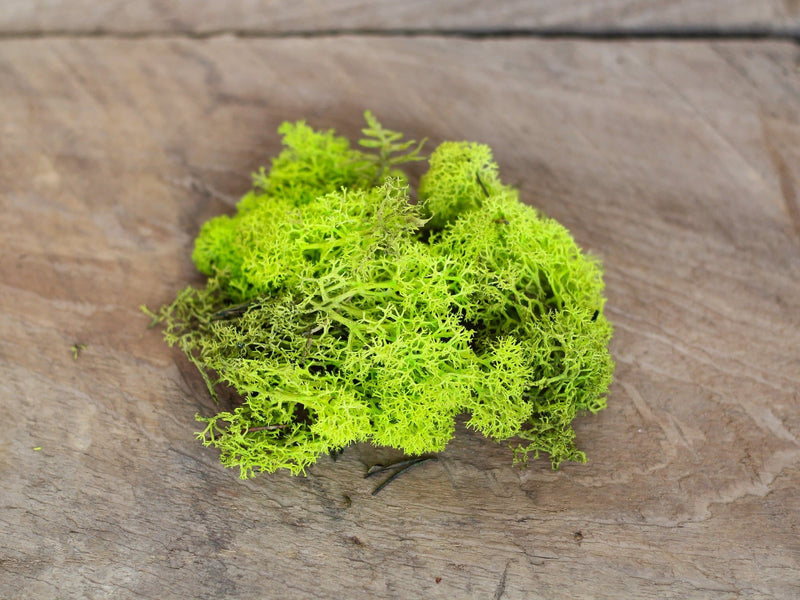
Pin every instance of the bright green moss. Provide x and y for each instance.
(340, 312)
(460, 177)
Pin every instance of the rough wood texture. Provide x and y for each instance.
(280, 16)
(679, 164)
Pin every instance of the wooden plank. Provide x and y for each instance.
(291, 16)
(678, 164)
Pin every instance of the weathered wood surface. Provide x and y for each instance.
(678, 164)
(282, 16)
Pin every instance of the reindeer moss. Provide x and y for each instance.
(340, 312)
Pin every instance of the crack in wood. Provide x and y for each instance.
(501, 586)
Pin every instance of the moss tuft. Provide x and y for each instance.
(341, 312)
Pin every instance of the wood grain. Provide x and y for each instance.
(678, 164)
(292, 16)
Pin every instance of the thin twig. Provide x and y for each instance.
(483, 187)
(267, 428)
(233, 311)
(375, 469)
(410, 464)
(308, 342)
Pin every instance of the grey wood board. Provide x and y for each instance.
(287, 16)
(677, 164)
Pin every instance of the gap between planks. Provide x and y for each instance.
(791, 34)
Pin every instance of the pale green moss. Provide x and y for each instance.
(340, 312)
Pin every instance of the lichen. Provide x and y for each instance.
(341, 312)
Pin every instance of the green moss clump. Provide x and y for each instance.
(340, 312)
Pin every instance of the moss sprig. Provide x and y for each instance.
(340, 312)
